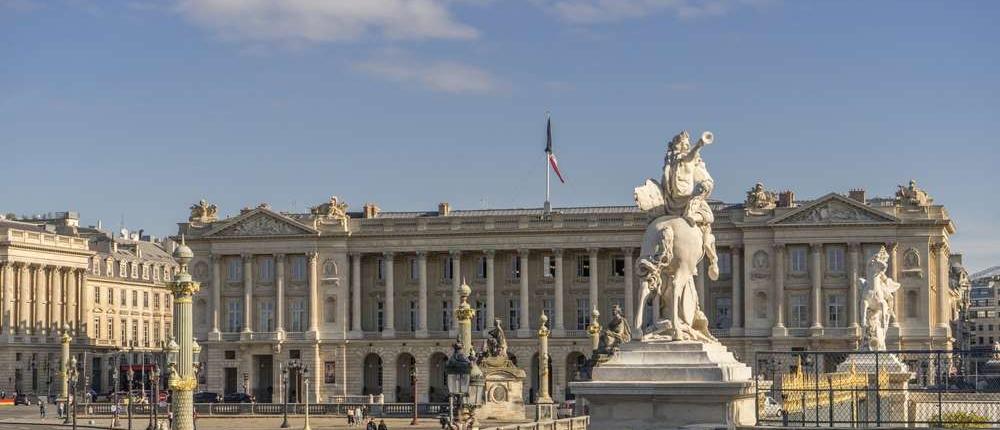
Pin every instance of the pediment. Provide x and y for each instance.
(262, 222)
(834, 209)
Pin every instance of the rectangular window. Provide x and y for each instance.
(135, 331)
(723, 312)
(167, 328)
(725, 263)
(515, 267)
(145, 299)
(414, 269)
(548, 306)
(799, 309)
(514, 314)
(582, 313)
(156, 301)
(265, 269)
(97, 327)
(145, 333)
(835, 305)
(618, 267)
(265, 311)
(797, 256)
(135, 299)
(481, 268)
(414, 315)
(582, 266)
(380, 316)
(156, 274)
(835, 256)
(380, 269)
(330, 372)
(124, 298)
(111, 296)
(145, 271)
(156, 332)
(235, 269)
(234, 314)
(298, 315)
(122, 269)
(447, 269)
(97, 295)
(479, 323)
(124, 331)
(111, 328)
(299, 268)
(548, 266)
(445, 314)
(134, 270)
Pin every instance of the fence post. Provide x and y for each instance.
(940, 391)
(829, 406)
(816, 388)
(878, 392)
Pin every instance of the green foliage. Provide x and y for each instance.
(961, 420)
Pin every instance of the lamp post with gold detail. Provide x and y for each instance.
(182, 378)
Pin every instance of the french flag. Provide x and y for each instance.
(548, 150)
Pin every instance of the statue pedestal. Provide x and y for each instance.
(888, 376)
(504, 402)
(660, 385)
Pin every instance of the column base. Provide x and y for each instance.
(779, 331)
(389, 332)
(816, 330)
(215, 336)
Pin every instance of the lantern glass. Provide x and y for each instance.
(195, 351)
(477, 385)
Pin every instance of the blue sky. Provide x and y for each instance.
(138, 109)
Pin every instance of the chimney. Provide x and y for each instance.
(857, 194)
(786, 199)
(444, 209)
(114, 246)
(370, 210)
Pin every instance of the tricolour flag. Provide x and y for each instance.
(548, 150)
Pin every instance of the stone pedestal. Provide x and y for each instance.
(504, 386)
(662, 385)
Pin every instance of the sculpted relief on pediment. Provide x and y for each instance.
(261, 225)
(834, 212)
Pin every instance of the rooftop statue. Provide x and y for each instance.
(203, 212)
(333, 211)
(677, 238)
(877, 301)
(912, 195)
(760, 199)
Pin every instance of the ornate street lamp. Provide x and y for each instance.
(183, 381)
(413, 388)
(284, 395)
(457, 370)
(73, 376)
(305, 381)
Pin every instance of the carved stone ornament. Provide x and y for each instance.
(834, 212)
(760, 200)
(260, 225)
(761, 265)
(334, 211)
(203, 212)
(912, 195)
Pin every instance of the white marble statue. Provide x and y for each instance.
(678, 236)
(877, 302)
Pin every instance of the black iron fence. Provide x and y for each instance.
(951, 389)
(387, 410)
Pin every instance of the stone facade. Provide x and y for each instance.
(56, 273)
(364, 296)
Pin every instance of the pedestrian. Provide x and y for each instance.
(350, 417)
(41, 408)
(60, 409)
(371, 424)
(359, 414)
(381, 425)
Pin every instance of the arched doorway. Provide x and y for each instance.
(373, 374)
(533, 393)
(437, 383)
(405, 372)
(575, 362)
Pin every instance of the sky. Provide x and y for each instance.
(134, 110)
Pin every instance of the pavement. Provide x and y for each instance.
(26, 418)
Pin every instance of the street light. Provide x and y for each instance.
(74, 376)
(413, 389)
(285, 371)
(457, 370)
(305, 381)
(115, 370)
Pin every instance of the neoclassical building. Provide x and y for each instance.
(364, 299)
(108, 291)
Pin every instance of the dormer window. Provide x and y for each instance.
(122, 269)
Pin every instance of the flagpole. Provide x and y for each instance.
(548, 204)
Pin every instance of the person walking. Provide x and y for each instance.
(371, 424)
(359, 414)
(41, 408)
(381, 425)
(350, 417)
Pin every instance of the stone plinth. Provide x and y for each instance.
(503, 394)
(659, 384)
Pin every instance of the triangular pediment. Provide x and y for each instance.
(262, 222)
(834, 209)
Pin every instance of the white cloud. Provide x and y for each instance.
(317, 21)
(442, 76)
(603, 11)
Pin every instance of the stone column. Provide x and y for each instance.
(24, 299)
(816, 275)
(629, 286)
(491, 301)
(456, 281)
(943, 288)
(183, 381)
(85, 300)
(523, 321)
(247, 292)
(593, 278)
(736, 256)
(463, 316)
(58, 306)
(779, 291)
(279, 293)
(8, 304)
(560, 326)
(422, 301)
(893, 249)
(356, 294)
(216, 293)
(64, 364)
(544, 397)
(314, 293)
(854, 251)
(75, 290)
(389, 328)
(39, 286)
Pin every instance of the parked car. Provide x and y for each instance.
(207, 397)
(25, 399)
(237, 398)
